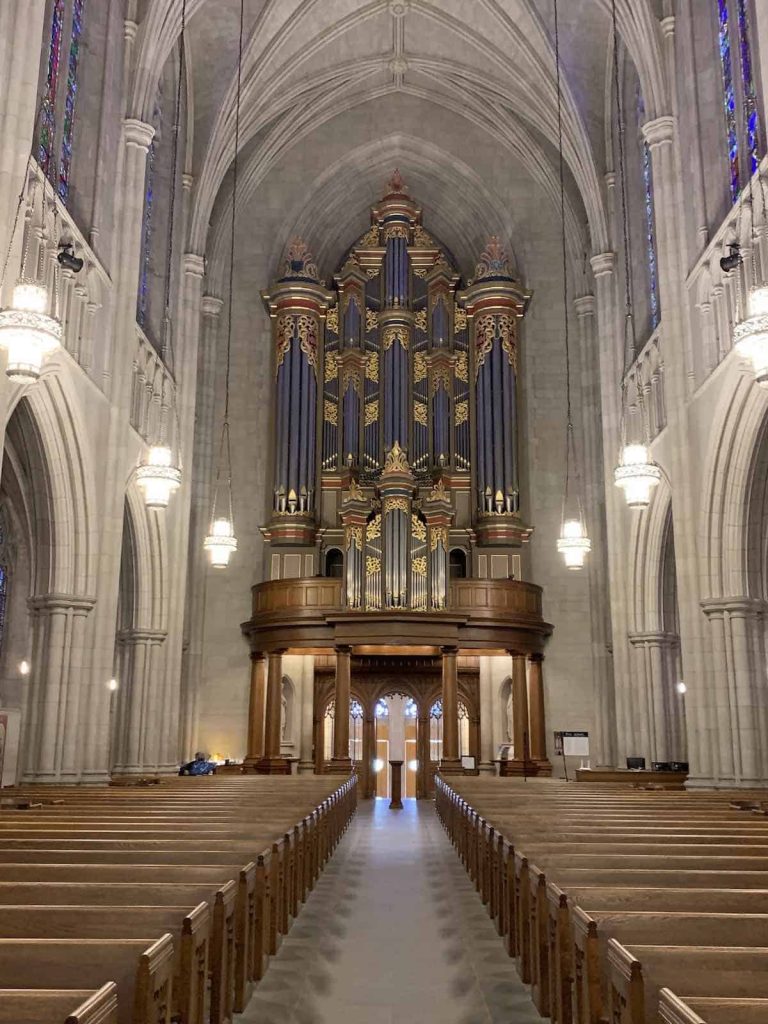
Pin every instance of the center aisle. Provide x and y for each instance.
(394, 933)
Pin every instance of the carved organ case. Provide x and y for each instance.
(396, 442)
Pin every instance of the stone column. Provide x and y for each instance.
(668, 183)
(604, 745)
(610, 348)
(422, 754)
(341, 761)
(119, 446)
(53, 696)
(201, 471)
(256, 706)
(21, 43)
(272, 763)
(138, 698)
(537, 714)
(176, 706)
(450, 761)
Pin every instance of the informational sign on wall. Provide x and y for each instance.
(572, 744)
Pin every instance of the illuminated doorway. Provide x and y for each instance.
(396, 721)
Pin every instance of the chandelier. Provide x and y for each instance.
(27, 332)
(158, 477)
(637, 474)
(750, 336)
(573, 543)
(221, 541)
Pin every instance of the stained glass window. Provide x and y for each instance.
(650, 220)
(729, 93)
(147, 227)
(751, 114)
(3, 598)
(48, 108)
(78, 8)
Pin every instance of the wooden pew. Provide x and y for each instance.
(593, 930)
(638, 973)
(142, 970)
(52, 1006)
(673, 1010)
(190, 932)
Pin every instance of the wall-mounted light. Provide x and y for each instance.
(681, 687)
(67, 259)
(378, 764)
(112, 685)
(24, 668)
(732, 260)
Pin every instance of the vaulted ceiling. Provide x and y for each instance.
(460, 94)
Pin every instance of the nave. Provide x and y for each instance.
(394, 931)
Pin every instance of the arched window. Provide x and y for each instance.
(78, 9)
(457, 564)
(53, 109)
(436, 730)
(650, 218)
(47, 139)
(334, 563)
(356, 731)
(744, 135)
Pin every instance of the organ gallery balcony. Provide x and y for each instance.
(310, 613)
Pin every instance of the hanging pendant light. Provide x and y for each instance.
(158, 474)
(636, 474)
(573, 543)
(158, 477)
(221, 541)
(27, 332)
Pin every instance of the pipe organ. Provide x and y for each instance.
(396, 416)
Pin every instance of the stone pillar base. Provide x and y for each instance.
(273, 766)
(338, 766)
(519, 768)
(450, 766)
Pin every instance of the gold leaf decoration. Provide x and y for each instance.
(397, 460)
(419, 566)
(395, 504)
(438, 535)
(372, 366)
(462, 412)
(421, 319)
(422, 239)
(370, 239)
(354, 535)
(372, 565)
(330, 412)
(373, 529)
(332, 319)
(459, 319)
(419, 366)
(420, 413)
(371, 319)
(371, 412)
(462, 366)
(418, 528)
(331, 366)
(395, 334)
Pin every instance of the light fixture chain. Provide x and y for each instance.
(234, 213)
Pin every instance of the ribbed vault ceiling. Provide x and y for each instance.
(338, 92)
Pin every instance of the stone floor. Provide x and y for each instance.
(394, 933)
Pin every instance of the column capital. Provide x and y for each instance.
(141, 636)
(60, 603)
(187, 181)
(130, 28)
(193, 265)
(603, 263)
(659, 132)
(343, 649)
(212, 306)
(536, 657)
(448, 649)
(258, 656)
(610, 179)
(585, 306)
(747, 607)
(138, 133)
(653, 639)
